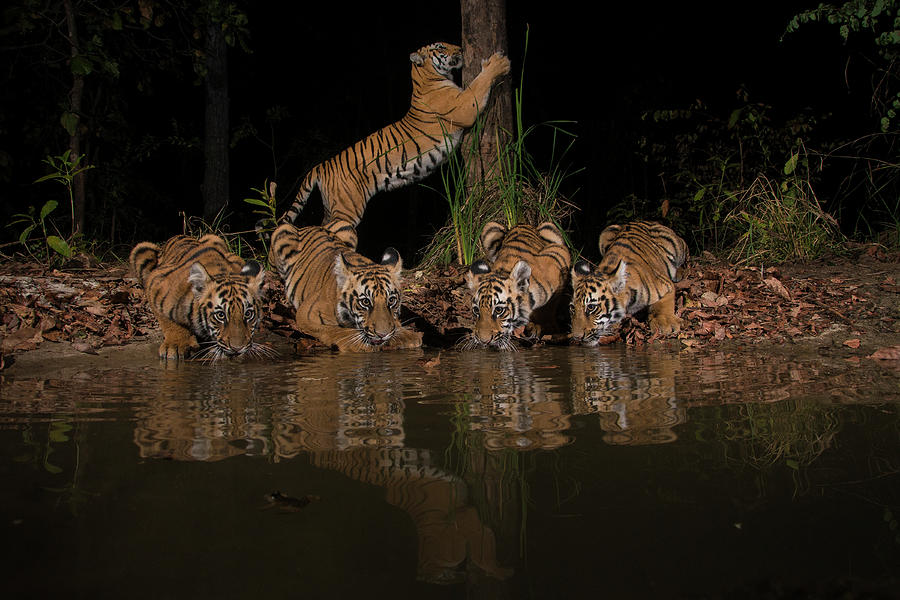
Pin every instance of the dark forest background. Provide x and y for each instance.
(663, 99)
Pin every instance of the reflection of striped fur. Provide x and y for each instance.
(637, 405)
(640, 265)
(410, 149)
(448, 526)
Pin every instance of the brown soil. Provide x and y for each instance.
(841, 307)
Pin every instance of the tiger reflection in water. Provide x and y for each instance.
(352, 424)
(632, 393)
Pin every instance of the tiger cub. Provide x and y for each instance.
(639, 268)
(202, 295)
(341, 298)
(409, 149)
(526, 267)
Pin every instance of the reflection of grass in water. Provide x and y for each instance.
(793, 432)
(494, 479)
(58, 432)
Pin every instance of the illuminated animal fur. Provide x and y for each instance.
(639, 268)
(341, 298)
(203, 296)
(525, 268)
(409, 149)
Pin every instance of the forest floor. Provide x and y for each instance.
(845, 307)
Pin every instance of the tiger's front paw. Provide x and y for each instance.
(665, 324)
(178, 349)
(496, 66)
(405, 338)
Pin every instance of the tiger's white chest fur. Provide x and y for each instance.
(417, 167)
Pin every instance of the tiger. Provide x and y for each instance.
(640, 265)
(525, 268)
(407, 150)
(341, 298)
(203, 296)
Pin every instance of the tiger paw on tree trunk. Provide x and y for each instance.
(407, 150)
(524, 272)
(640, 265)
(341, 298)
(205, 297)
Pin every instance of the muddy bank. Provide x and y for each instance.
(841, 307)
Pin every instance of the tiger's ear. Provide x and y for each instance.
(521, 275)
(391, 258)
(341, 271)
(619, 278)
(581, 269)
(417, 59)
(479, 267)
(254, 271)
(198, 278)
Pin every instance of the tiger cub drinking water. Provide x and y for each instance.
(526, 267)
(203, 296)
(638, 269)
(407, 150)
(341, 298)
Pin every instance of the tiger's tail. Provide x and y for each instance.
(143, 259)
(306, 188)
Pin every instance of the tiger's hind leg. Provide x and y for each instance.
(178, 342)
(662, 315)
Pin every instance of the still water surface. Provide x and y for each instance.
(547, 473)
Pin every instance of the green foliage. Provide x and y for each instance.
(65, 169)
(707, 162)
(876, 21)
(777, 221)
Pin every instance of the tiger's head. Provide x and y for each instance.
(445, 58)
(228, 310)
(500, 304)
(599, 301)
(369, 297)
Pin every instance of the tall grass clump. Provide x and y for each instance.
(780, 220)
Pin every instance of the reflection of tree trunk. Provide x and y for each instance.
(215, 177)
(76, 93)
(483, 33)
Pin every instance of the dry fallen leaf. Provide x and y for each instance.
(886, 353)
(84, 347)
(776, 286)
(853, 343)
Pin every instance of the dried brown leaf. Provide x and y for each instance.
(886, 353)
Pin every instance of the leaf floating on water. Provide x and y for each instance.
(287, 503)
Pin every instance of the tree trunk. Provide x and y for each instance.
(215, 177)
(483, 33)
(76, 94)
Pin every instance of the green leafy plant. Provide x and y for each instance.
(64, 172)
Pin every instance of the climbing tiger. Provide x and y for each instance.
(409, 149)
(526, 268)
(203, 296)
(639, 267)
(341, 298)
